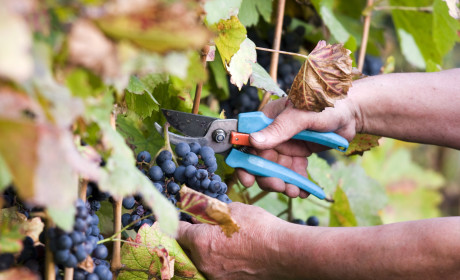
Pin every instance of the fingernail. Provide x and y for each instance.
(258, 137)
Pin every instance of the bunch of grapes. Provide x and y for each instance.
(246, 100)
(196, 169)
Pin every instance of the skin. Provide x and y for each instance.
(417, 107)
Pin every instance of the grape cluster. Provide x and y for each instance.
(71, 248)
(291, 41)
(196, 169)
(311, 221)
(246, 100)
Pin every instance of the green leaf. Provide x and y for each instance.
(231, 33)
(425, 38)
(218, 80)
(83, 83)
(10, 230)
(140, 259)
(341, 213)
(261, 79)
(139, 97)
(251, 10)
(5, 175)
(217, 10)
(240, 67)
(325, 9)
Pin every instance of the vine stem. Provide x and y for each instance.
(199, 86)
(116, 234)
(289, 209)
(276, 46)
(403, 8)
(282, 52)
(117, 209)
(367, 25)
(50, 273)
(68, 273)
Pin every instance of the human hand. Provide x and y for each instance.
(275, 144)
(251, 253)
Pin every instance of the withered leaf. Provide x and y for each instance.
(325, 77)
(207, 210)
(362, 143)
(166, 261)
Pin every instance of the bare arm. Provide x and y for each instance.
(267, 247)
(416, 107)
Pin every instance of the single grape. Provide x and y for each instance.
(95, 230)
(103, 272)
(212, 169)
(100, 252)
(190, 171)
(79, 274)
(195, 147)
(313, 221)
(92, 276)
(134, 218)
(155, 173)
(144, 156)
(64, 242)
(168, 167)
(77, 237)
(173, 188)
(190, 159)
(179, 174)
(209, 161)
(163, 156)
(80, 253)
(210, 193)
(61, 256)
(173, 200)
(223, 188)
(224, 198)
(205, 184)
(182, 149)
(214, 186)
(201, 174)
(129, 202)
(206, 152)
(94, 219)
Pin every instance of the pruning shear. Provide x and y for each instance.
(223, 135)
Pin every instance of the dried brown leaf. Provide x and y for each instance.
(87, 264)
(207, 210)
(325, 77)
(167, 264)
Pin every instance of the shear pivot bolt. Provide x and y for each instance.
(218, 135)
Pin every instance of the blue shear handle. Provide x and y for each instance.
(262, 167)
(255, 121)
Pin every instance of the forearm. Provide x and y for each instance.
(426, 249)
(416, 107)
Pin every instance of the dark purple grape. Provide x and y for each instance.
(77, 237)
(182, 149)
(163, 156)
(190, 159)
(212, 168)
(206, 152)
(173, 188)
(201, 174)
(179, 174)
(214, 186)
(134, 218)
(205, 184)
(129, 202)
(298, 221)
(195, 147)
(190, 171)
(61, 256)
(158, 186)
(313, 221)
(168, 167)
(224, 198)
(100, 252)
(144, 156)
(64, 242)
(6, 261)
(155, 173)
(80, 253)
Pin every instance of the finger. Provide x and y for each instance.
(303, 194)
(292, 191)
(245, 178)
(290, 122)
(271, 184)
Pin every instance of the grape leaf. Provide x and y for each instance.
(231, 33)
(341, 213)
(218, 80)
(141, 257)
(240, 67)
(156, 26)
(221, 9)
(18, 273)
(139, 98)
(362, 143)
(324, 77)
(425, 49)
(335, 26)
(251, 10)
(261, 79)
(207, 210)
(5, 175)
(16, 60)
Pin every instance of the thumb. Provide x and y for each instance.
(287, 124)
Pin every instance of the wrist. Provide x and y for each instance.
(353, 101)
